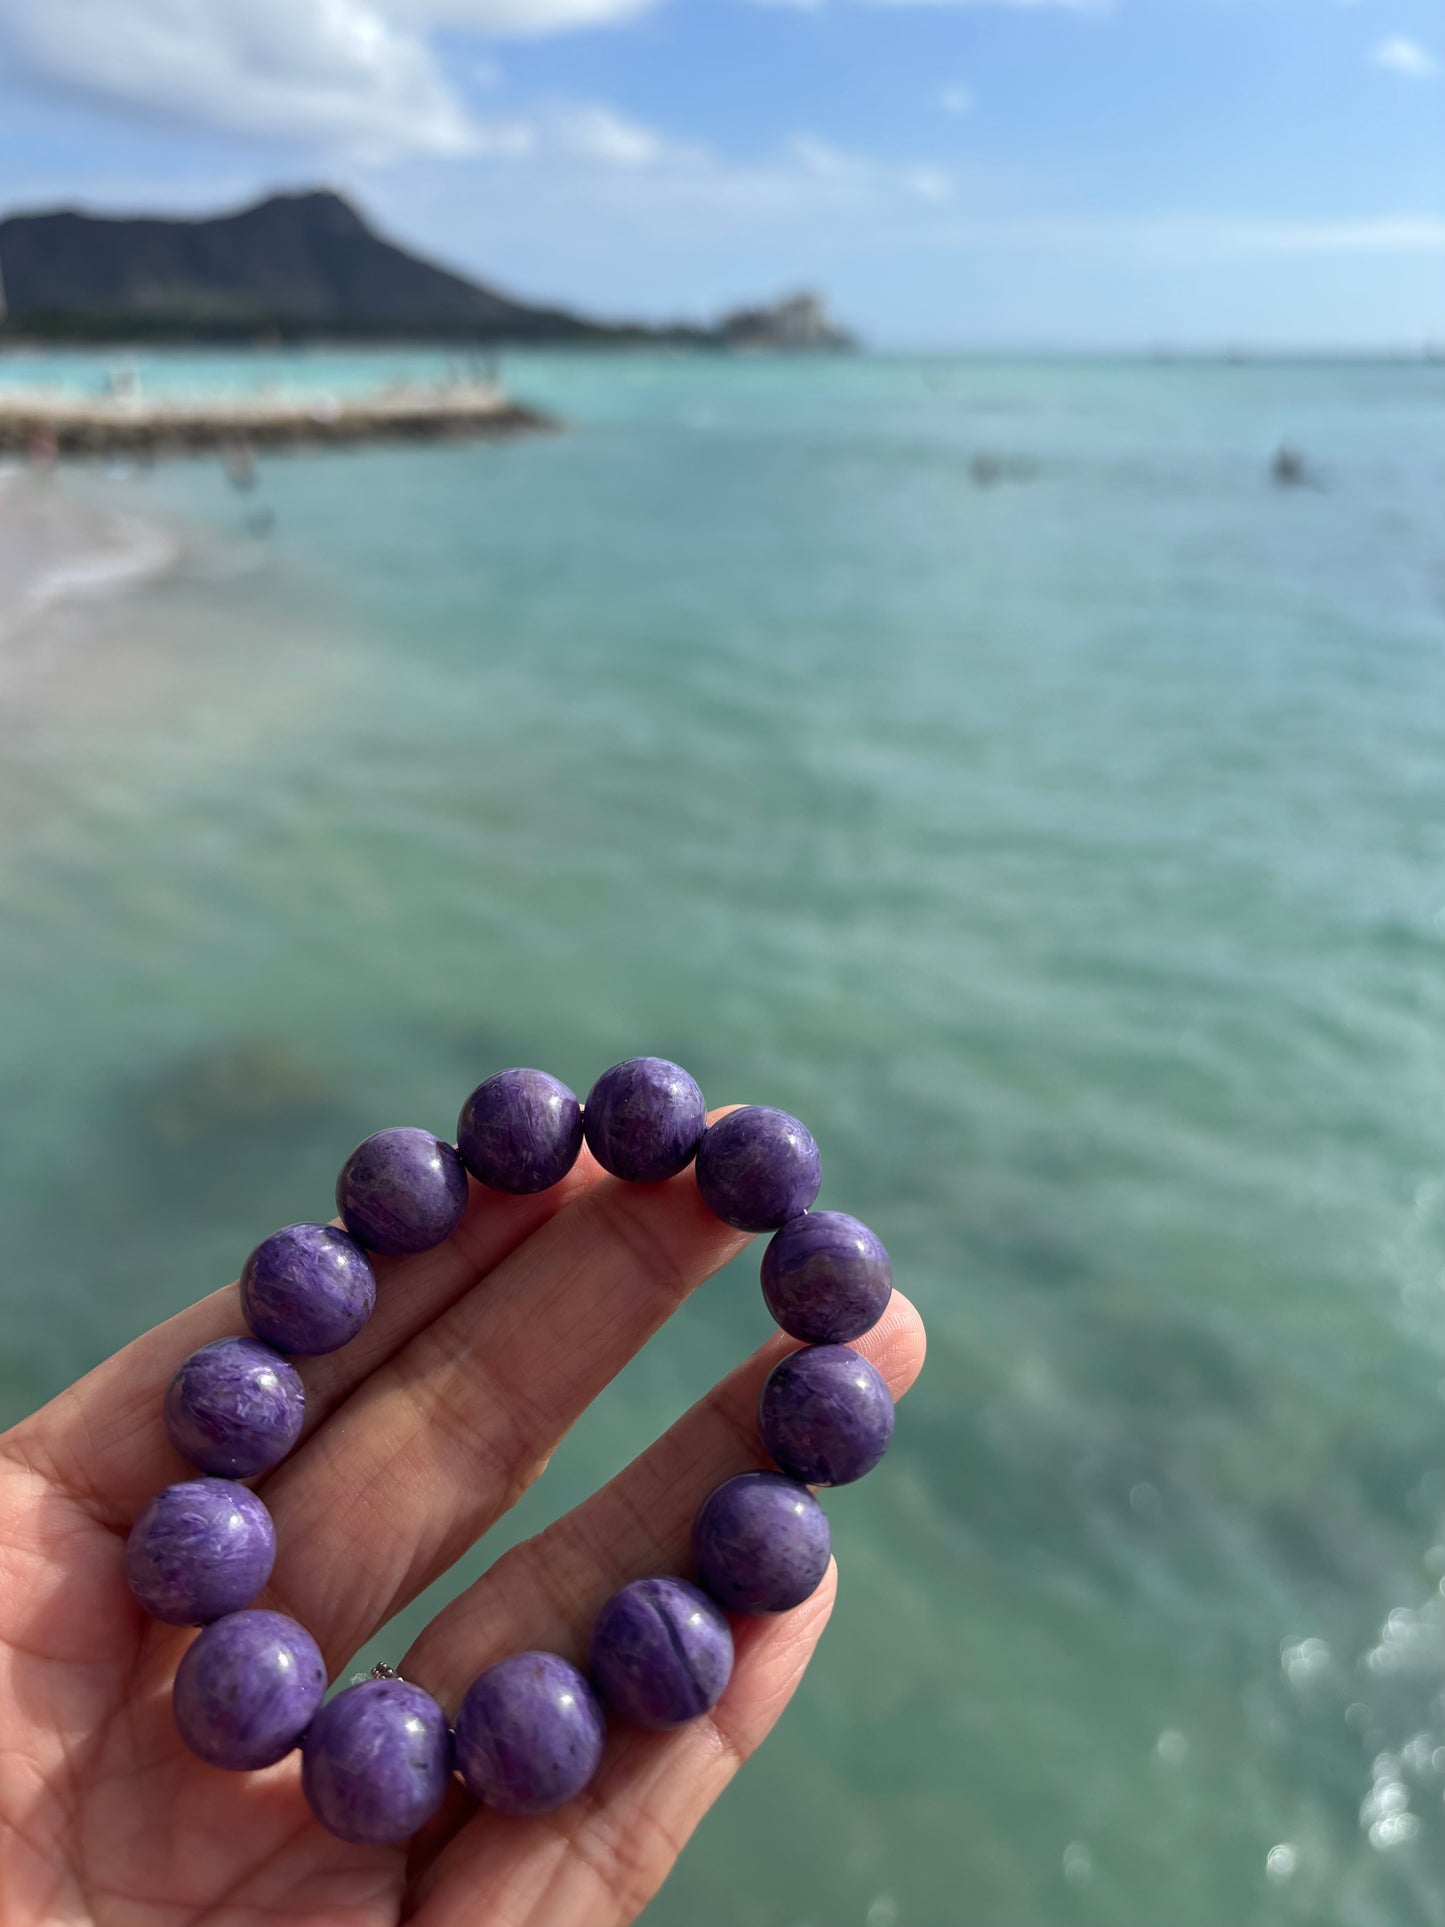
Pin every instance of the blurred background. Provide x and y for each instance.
(992, 709)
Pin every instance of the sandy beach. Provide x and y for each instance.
(58, 546)
(132, 633)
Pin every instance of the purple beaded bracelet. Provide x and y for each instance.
(529, 1732)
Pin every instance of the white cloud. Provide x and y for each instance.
(862, 178)
(1184, 238)
(519, 19)
(499, 139)
(957, 100)
(355, 78)
(928, 183)
(1398, 55)
(824, 161)
(1067, 6)
(1392, 234)
(355, 81)
(337, 73)
(597, 133)
(590, 174)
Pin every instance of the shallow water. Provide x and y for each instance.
(1062, 835)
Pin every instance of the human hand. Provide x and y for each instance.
(419, 1435)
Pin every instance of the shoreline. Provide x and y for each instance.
(57, 548)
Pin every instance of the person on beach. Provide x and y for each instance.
(422, 1432)
(239, 465)
(42, 449)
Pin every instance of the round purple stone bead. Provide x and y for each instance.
(520, 1131)
(826, 1415)
(401, 1191)
(529, 1733)
(757, 1167)
(760, 1543)
(247, 1689)
(376, 1762)
(234, 1408)
(661, 1653)
(307, 1289)
(826, 1278)
(200, 1550)
(644, 1120)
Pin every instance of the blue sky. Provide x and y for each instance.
(980, 173)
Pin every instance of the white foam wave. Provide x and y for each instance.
(55, 551)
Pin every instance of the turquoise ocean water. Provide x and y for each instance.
(982, 760)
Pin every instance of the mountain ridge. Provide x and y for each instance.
(298, 266)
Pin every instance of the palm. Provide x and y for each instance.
(420, 1433)
(112, 1821)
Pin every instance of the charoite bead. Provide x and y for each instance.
(826, 1278)
(644, 1120)
(760, 1543)
(234, 1408)
(529, 1733)
(247, 1689)
(401, 1191)
(826, 1415)
(661, 1653)
(307, 1289)
(376, 1761)
(758, 1167)
(520, 1131)
(200, 1550)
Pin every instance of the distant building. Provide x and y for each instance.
(801, 322)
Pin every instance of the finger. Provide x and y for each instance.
(439, 1442)
(601, 1858)
(638, 1524)
(102, 1438)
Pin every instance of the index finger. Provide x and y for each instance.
(102, 1438)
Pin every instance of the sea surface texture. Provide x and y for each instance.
(987, 762)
